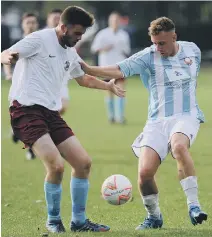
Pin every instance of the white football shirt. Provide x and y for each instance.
(119, 40)
(42, 69)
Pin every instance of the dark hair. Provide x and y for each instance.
(29, 14)
(161, 24)
(56, 10)
(74, 15)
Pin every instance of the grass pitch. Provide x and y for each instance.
(23, 203)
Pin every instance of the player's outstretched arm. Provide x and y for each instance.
(105, 72)
(92, 82)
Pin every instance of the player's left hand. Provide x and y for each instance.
(85, 67)
(116, 89)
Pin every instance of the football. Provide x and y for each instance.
(117, 189)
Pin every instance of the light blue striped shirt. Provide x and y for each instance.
(171, 81)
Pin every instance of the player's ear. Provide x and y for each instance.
(175, 37)
(64, 28)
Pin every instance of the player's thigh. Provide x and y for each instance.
(74, 153)
(58, 128)
(153, 138)
(185, 131)
(46, 150)
(149, 161)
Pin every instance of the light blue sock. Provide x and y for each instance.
(110, 107)
(79, 195)
(53, 198)
(120, 105)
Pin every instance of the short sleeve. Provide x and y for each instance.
(136, 64)
(76, 71)
(28, 46)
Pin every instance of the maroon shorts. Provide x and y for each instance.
(29, 123)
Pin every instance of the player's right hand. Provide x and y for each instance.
(8, 57)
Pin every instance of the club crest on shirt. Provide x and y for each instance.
(67, 65)
(188, 61)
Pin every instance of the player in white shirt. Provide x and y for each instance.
(112, 45)
(169, 70)
(45, 59)
(53, 18)
(29, 25)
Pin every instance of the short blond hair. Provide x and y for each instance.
(161, 24)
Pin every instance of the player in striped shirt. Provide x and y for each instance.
(169, 70)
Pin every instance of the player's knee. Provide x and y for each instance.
(84, 166)
(178, 150)
(59, 168)
(55, 165)
(145, 174)
(56, 168)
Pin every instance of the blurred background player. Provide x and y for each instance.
(112, 45)
(53, 18)
(52, 21)
(29, 25)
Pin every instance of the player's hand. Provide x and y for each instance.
(107, 48)
(116, 89)
(85, 67)
(9, 58)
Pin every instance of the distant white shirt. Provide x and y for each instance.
(170, 81)
(121, 46)
(42, 69)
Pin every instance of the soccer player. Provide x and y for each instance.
(53, 18)
(46, 57)
(169, 70)
(29, 25)
(112, 45)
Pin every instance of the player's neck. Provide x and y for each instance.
(114, 29)
(175, 50)
(26, 33)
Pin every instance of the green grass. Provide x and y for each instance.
(109, 146)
